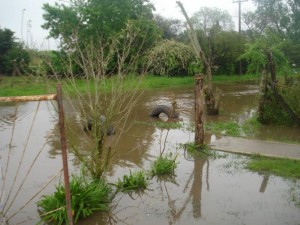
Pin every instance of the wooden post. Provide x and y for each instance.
(199, 106)
(64, 154)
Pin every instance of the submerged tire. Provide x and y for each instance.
(109, 131)
(164, 109)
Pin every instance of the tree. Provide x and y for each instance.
(281, 16)
(207, 18)
(13, 58)
(266, 55)
(93, 19)
(98, 21)
(212, 101)
(171, 28)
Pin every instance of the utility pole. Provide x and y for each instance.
(240, 27)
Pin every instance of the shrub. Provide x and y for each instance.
(171, 58)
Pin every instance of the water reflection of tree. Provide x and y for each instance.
(194, 184)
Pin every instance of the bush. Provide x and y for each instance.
(171, 58)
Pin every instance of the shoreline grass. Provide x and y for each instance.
(29, 85)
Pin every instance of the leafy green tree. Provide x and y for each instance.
(266, 55)
(93, 19)
(13, 58)
(83, 23)
(283, 17)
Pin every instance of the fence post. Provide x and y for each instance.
(199, 106)
(64, 154)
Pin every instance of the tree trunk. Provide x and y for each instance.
(199, 131)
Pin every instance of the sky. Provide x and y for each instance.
(24, 17)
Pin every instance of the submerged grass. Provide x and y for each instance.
(87, 196)
(133, 182)
(280, 167)
(201, 151)
(162, 125)
(164, 165)
(231, 128)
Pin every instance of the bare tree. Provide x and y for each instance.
(102, 101)
(212, 100)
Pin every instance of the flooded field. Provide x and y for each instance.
(204, 190)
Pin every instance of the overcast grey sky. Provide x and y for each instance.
(13, 12)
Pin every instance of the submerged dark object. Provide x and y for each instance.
(109, 131)
(164, 109)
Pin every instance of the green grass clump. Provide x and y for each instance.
(164, 165)
(280, 167)
(201, 151)
(230, 128)
(87, 196)
(162, 125)
(133, 181)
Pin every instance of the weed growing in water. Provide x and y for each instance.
(280, 167)
(201, 151)
(164, 165)
(163, 125)
(133, 181)
(87, 196)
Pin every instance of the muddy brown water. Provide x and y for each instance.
(203, 190)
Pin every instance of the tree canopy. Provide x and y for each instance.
(13, 57)
(93, 19)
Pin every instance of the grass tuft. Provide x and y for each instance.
(87, 196)
(133, 181)
(164, 165)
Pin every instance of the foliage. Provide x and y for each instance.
(133, 181)
(87, 196)
(14, 59)
(171, 28)
(207, 18)
(164, 165)
(248, 128)
(163, 125)
(226, 128)
(220, 44)
(291, 93)
(280, 167)
(256, 53)
(272, 112)
(283, 17)
(170, 58)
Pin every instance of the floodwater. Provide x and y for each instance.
(202, 191)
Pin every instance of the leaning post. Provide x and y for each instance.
(64, 154)
(199, 108)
